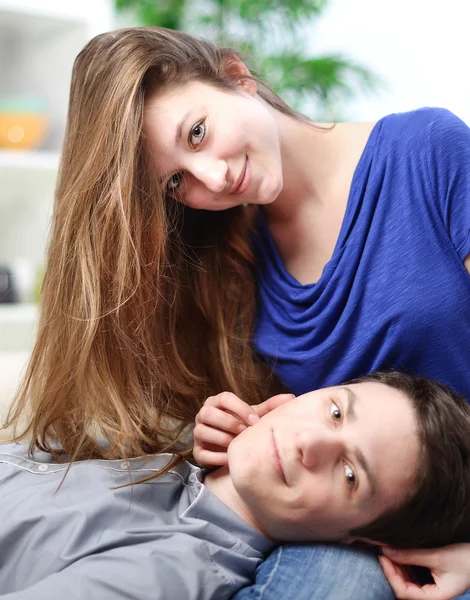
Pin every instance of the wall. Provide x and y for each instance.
(420, 47)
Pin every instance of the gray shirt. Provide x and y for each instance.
(67, 533)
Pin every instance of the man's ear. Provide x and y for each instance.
(361, 541)
(236, 69)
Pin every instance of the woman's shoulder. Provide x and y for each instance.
(421, 135)
(425, 114)
(422, 123)
(405, 135)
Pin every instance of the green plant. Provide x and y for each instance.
(276, 33)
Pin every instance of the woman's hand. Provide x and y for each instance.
(221, 419)
(449, 566)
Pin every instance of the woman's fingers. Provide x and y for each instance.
(449, 568)
(230, 405)
(271, 403)
(218, 422)
(421, 557)
(208, 458)
(219, 419)
(206, 435)
(402, 585)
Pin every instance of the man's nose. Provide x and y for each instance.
(211, 172)
(319, 448)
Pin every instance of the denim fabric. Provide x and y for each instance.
(319, 572)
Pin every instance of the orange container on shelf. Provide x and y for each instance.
(23, 123)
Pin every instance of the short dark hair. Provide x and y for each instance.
(437, 509)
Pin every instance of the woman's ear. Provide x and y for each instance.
(238, 71)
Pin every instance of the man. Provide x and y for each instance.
(347, 463)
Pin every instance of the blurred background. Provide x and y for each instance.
(331, 59)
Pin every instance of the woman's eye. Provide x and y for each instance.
(336, 413)
(174, 183)
(350, 475)
(197, 134)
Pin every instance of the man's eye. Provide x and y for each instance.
(173, 184)
(197, 134)
(350, 475)
(336, 413)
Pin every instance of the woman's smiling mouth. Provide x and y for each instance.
(244, 180)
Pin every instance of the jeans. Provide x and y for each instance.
(320, 572)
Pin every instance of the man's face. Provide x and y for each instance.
(327, 462)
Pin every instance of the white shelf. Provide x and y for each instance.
(12, 367)
(20, 356)
(66, 11)
(39, 41)
(18, 313)
(42, 18)
(37, 160)
(28, 22)
(18, 324)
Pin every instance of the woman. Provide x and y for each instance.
(321, 253)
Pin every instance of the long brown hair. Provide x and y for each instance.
(147, 305)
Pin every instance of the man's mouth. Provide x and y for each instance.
(276, 460)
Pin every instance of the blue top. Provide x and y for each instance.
(395, 294)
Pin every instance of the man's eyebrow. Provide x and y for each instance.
(351, 416)
(361, 459)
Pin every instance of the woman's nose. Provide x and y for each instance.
(211, 172)
(318, 448)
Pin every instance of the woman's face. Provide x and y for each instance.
(214, 149)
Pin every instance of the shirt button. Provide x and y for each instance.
(43, 467)
(125, 465)
(192, 477)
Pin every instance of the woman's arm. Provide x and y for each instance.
(449, 566)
